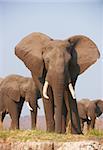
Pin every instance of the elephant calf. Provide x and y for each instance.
(14, 90)
(89, 110)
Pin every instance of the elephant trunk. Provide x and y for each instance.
(58, 91)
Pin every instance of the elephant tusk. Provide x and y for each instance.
(45, 87)
(72, 91)
(89, 118)
(31, 109)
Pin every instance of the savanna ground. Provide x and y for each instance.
(42, 140)
(38, 135)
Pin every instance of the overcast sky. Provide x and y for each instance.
(59, 19)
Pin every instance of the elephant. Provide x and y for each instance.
(1, 80)
(89, 110)
(55, 66)
(14, 90)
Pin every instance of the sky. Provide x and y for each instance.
(59, 19)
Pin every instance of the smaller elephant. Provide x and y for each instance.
(88, 111)
(14, 90)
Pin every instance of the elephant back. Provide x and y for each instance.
(85, 102)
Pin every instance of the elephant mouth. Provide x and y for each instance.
(70, 87)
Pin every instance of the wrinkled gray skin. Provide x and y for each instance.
(89, 110)
(14, 90)
(57, 62)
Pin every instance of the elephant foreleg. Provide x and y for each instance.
(92, 125)
(15, 121)
(64, 114)
(15, 115)
(72, 109)
(1, 121)
(33, 119)
(19, 106)
(82, 124)
(13, 111)
(33, 104)
(88, 124)
(67, 111)
(3, 116)
(75, 120)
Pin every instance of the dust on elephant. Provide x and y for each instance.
(55, 66)
(14, 90)
(89, 110)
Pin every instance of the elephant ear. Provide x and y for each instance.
(86, 49)
(12, 91)
(29, 50)
(99, 104)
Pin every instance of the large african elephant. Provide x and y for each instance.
(89, 110)
(55, 66)
(14, 90)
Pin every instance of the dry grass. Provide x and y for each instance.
(37, 135)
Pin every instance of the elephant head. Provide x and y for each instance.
(16, 86)
(89, 110)
(95, 108)
(56, 63)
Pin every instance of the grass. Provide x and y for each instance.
(37, 135)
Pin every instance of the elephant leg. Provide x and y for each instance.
(19, 106)
(88, 124)
(75, 120)
(92, 125)
(48, 105)
(67, 110)
(33, 104)
(64, 114)
(33, 119)
(72, 114)
(1, 120)
(82, 124)
(49, 111)
(15, 115)
(13, 111)
(3, 116)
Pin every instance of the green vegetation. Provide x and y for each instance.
(37, 135)
(97, 133)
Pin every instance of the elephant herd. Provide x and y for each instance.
(55, 66)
